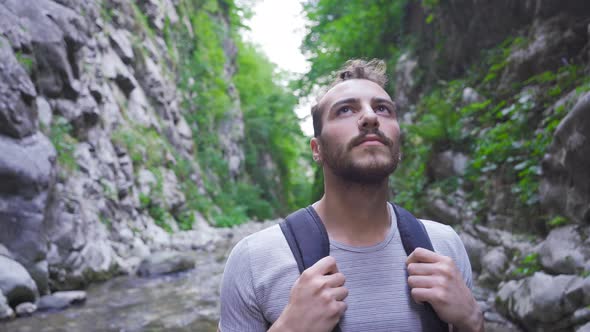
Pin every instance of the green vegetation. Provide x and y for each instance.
(505, 133)
(62, 138)
(272, 179)
(27, 61)
(357, 29)
(528, 265)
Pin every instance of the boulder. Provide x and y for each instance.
(471, 96)
(475, 248)
(166, 262)
(61, 300)
(16, 283)
(536, 301)
(563, 251)
(584, 328)
(25, 309)
(494, 265)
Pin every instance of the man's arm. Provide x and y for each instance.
(240, 309)
(436, 279)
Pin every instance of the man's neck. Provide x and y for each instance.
(353, 213)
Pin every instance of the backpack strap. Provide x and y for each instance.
(307, 237)
(308, 240)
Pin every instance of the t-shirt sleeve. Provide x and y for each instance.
(240, 311)
(463, 260)
(446, 241)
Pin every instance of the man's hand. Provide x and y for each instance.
(316, 302)
(436, 279)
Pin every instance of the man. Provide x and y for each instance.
(368, 283)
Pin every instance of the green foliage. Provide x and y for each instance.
(275, 144)
(497, 58)
(27, 61)
(557, 221)
(142, 19)
(528, 265)
(62, 138)
(153, 203)
(271, 129)
(353, 29)
(145, 146)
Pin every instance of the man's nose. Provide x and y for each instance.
(368, 119)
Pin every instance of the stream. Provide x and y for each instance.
(185, 301)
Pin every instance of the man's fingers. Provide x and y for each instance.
(418, 281)
(326, 265)
(423, 269)
(421, 295)
(335, 280)
(421, 255)
(339, 294)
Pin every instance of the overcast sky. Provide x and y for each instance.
(278, 26)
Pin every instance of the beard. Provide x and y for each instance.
(373, 168)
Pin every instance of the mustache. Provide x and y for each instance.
(380, 136)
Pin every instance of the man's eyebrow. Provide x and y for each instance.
(382, 100)
(343, 102)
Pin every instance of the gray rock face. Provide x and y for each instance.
(405, 82)
(494, 265)
(565, 187)
(16, 283)
(79, 250)
(448, 163)
(18, 113)
(563, 251)
(550, 41)
(26, 173)
(475, 248)
(166, 262)
(56, 37)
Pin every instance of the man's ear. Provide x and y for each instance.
(316, 150)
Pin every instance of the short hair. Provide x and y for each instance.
(373, 70)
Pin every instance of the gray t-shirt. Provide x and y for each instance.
(261, 270)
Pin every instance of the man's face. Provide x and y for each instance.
(360, 135)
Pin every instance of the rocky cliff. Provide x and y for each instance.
(99, 165)
(499, 92)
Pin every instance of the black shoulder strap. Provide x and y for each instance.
(411, 230)
(307, 237)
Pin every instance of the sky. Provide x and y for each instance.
(278, 26)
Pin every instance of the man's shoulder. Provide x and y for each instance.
(444, 238)
(438, 230)
(269, 237)
(267, 246)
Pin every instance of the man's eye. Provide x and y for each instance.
(344, 110)
(382, 108)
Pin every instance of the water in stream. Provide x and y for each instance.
(186, 301)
